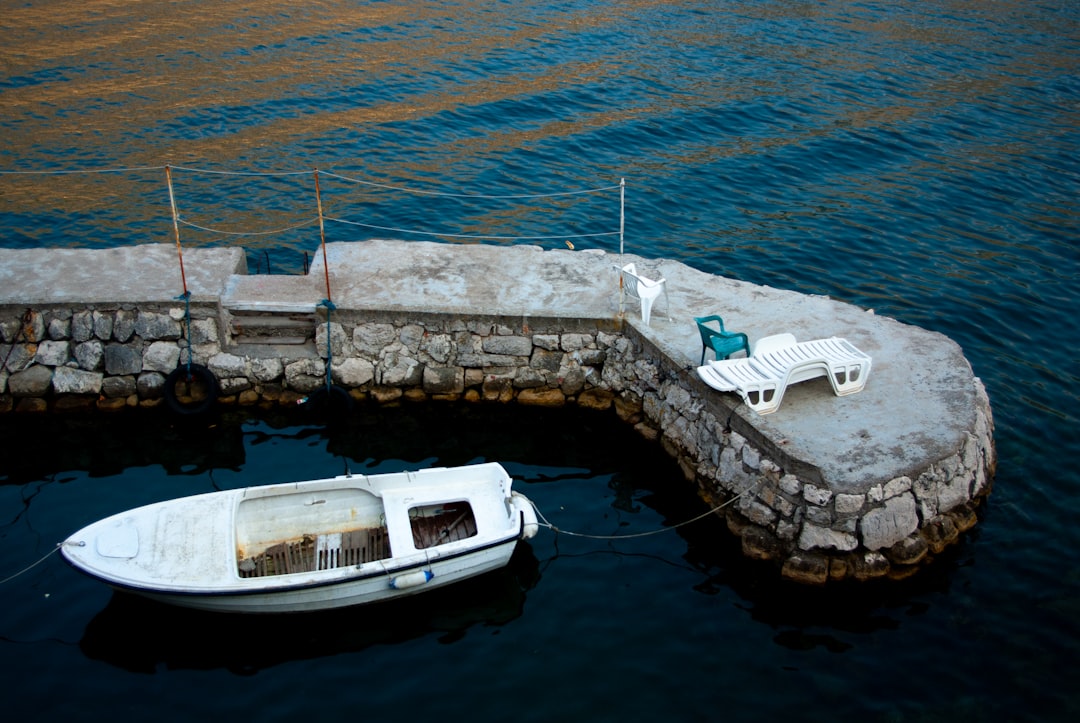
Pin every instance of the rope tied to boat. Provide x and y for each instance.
(545, 523)
(43, 558)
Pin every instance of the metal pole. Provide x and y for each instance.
(622, 228)
(176, 227)
(322, 236)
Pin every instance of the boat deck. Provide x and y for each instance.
(456, 523)
(318, 552)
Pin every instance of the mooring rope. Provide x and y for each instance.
(544, 522)
(30, 567)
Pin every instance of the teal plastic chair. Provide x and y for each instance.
(723, 343)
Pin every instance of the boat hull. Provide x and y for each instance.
(347, 593)
(307, 546)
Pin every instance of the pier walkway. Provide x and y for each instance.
(920, 406)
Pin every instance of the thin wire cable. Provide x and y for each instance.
(350, 179)
(354, 223)
(240, 173)
(30, 567)
(465, 195)
(90, 170)
(702, 516)
(247, 233)
(467, 236)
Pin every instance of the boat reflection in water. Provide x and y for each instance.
(143, 636)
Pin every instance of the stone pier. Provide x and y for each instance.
(869, 485)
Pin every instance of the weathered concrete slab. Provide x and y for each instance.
(919, 399)
(146, 273)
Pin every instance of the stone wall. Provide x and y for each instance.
(116, 357)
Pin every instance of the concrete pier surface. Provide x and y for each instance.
(922, 403)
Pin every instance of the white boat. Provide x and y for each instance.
(312, 545)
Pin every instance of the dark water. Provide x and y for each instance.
(918, 158)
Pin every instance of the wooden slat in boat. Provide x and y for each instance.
(321, 552)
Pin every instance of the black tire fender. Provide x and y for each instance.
(188, 373)
(334, 402)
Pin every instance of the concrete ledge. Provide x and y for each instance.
(828, 487)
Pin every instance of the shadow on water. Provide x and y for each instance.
(600, 468)
(144, 636)
(103, 446)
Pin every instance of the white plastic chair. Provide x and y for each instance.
(644, 290)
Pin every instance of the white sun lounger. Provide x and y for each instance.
(779, 361)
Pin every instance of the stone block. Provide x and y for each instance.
(266, 369)
(124, 325)
(113, 387)
(122, 359)
(806, 568)
(849, 504)
(411, 335)
(444, 380)
(908, 551)
(103, 325)
(508, 345)
(595, 399)
(59, 328)
(546, 360)
(90, 355)
(337, 336)
(589, 357)
(204, 331)
(814, 537)
(527, 378)
(33, 327)
(575, 342)
(230, 386)
(150, 385)
(152, 326)
(869, 566)
(161, 356)
(884, 526)
(571, 381)
(439, 347)
(76, 381)
(401, 371)
(53, 353)
(541, 397)
(353, 372)
(548, 342)
(371, 339)
(32, 382)
(82, 326)
(306, 375)
(225, 366)
(816, 495)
